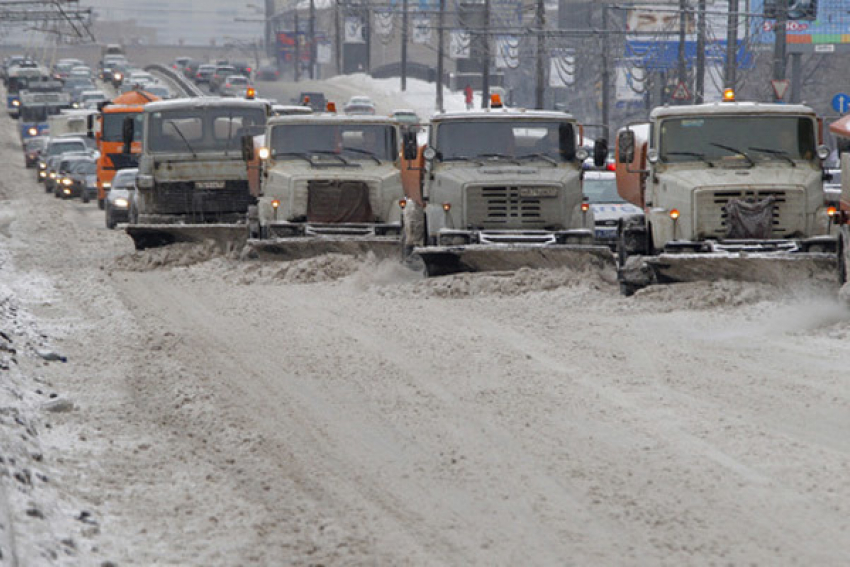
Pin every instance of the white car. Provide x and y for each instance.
(120, 196)
(600, 189)
(359, 105)
(90, 99)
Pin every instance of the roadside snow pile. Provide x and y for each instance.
(174, 255)
(39, 524)
(716, 295)
(513, 283)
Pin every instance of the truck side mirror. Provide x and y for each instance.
(626, 146)
(247, 148)
(127, 131)
(410, 145)
(600, 152)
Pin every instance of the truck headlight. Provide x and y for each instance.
(32, 131)
(107, 184)
(264, 153)
(16, 102)
(121, 203)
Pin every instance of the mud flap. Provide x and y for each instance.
(296, 248)
(443, 260)
(225, 236)
(776, 269)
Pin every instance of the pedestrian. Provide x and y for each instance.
(468, 94)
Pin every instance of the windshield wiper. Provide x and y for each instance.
(498, 156)
(692, 154)
(777, 153)
(734, 151)
(539, 155)
(364, 152)
(461, 158)
(185, 141)
(301, 155)
(330, 153)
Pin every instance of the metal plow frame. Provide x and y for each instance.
(444, 260)
(301, 247)
(227, 237)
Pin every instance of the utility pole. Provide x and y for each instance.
(682, 70)
(699, 96)
(312, 39)
(541, 54)
(796, 77)
(731, 45)
(338, 38)
(440, 24)
(404, 45)
(297, 48)
(779, 43)
(267, 35)
(485, 67)
(606, 75)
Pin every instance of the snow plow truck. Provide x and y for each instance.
(192, 184)
(500, 189)
(841, 211)
(330, 183)
(730, 190)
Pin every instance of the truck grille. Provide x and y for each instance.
(184, 198)
(331, 201)
(504, 207)
(789, 210)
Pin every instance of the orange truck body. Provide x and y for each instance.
(109, 136)
(631, 177)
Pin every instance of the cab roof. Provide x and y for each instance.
(727, 108)
(501, 114)
(329, 118)
(204, 102)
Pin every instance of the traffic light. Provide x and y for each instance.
(797, 9)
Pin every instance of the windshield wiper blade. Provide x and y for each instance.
(364, 152)
(550, 159)
(329, 153)
(185, 141)
(778, 153)
(734, 151)
(301, 155)
(498, 156)
(692, 154)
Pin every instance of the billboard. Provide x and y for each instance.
(830, 27)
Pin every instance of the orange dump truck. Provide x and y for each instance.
(841, 128)
(114, 155)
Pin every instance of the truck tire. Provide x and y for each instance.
(842, 259)
(84, 196)
(100, 204)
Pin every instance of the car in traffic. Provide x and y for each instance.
(204, 73)
(90, 99)
(117, 206)
(600, 190)
(243, 69)
(359, 105)
(57, 167)
(235, 85)
(314, 99)
(220, 75)
(267, 72)
(80, 178)
(57, 146)
(33, 148)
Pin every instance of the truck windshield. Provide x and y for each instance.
(505, 138)
(113, 126)
(353, 140)
(762, 138)
(216, 129)
(38, 113)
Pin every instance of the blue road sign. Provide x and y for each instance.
(841, 103)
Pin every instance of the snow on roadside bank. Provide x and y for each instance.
(40, 524)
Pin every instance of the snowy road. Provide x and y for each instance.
(344, 412)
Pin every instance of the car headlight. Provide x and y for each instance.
(52, 175)
(121, 203)
(42, 174)
(66, 181)
(42, 165)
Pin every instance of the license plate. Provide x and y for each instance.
(209, 184)
(538, 191)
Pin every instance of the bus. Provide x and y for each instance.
(39, 104)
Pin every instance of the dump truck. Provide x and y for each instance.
(330, 183)
(499, 189)
(729, 190)
(840, 211)
(109, 135)
(192, 183)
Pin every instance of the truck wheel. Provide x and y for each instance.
(842, 261)
(100, 204)
(84, 196)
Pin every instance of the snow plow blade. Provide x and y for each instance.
(444, 260)
(297, 248)
(776, 269)
(225, 236)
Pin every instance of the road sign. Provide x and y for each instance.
(681, 92)
(780, 87)
(841, 103)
